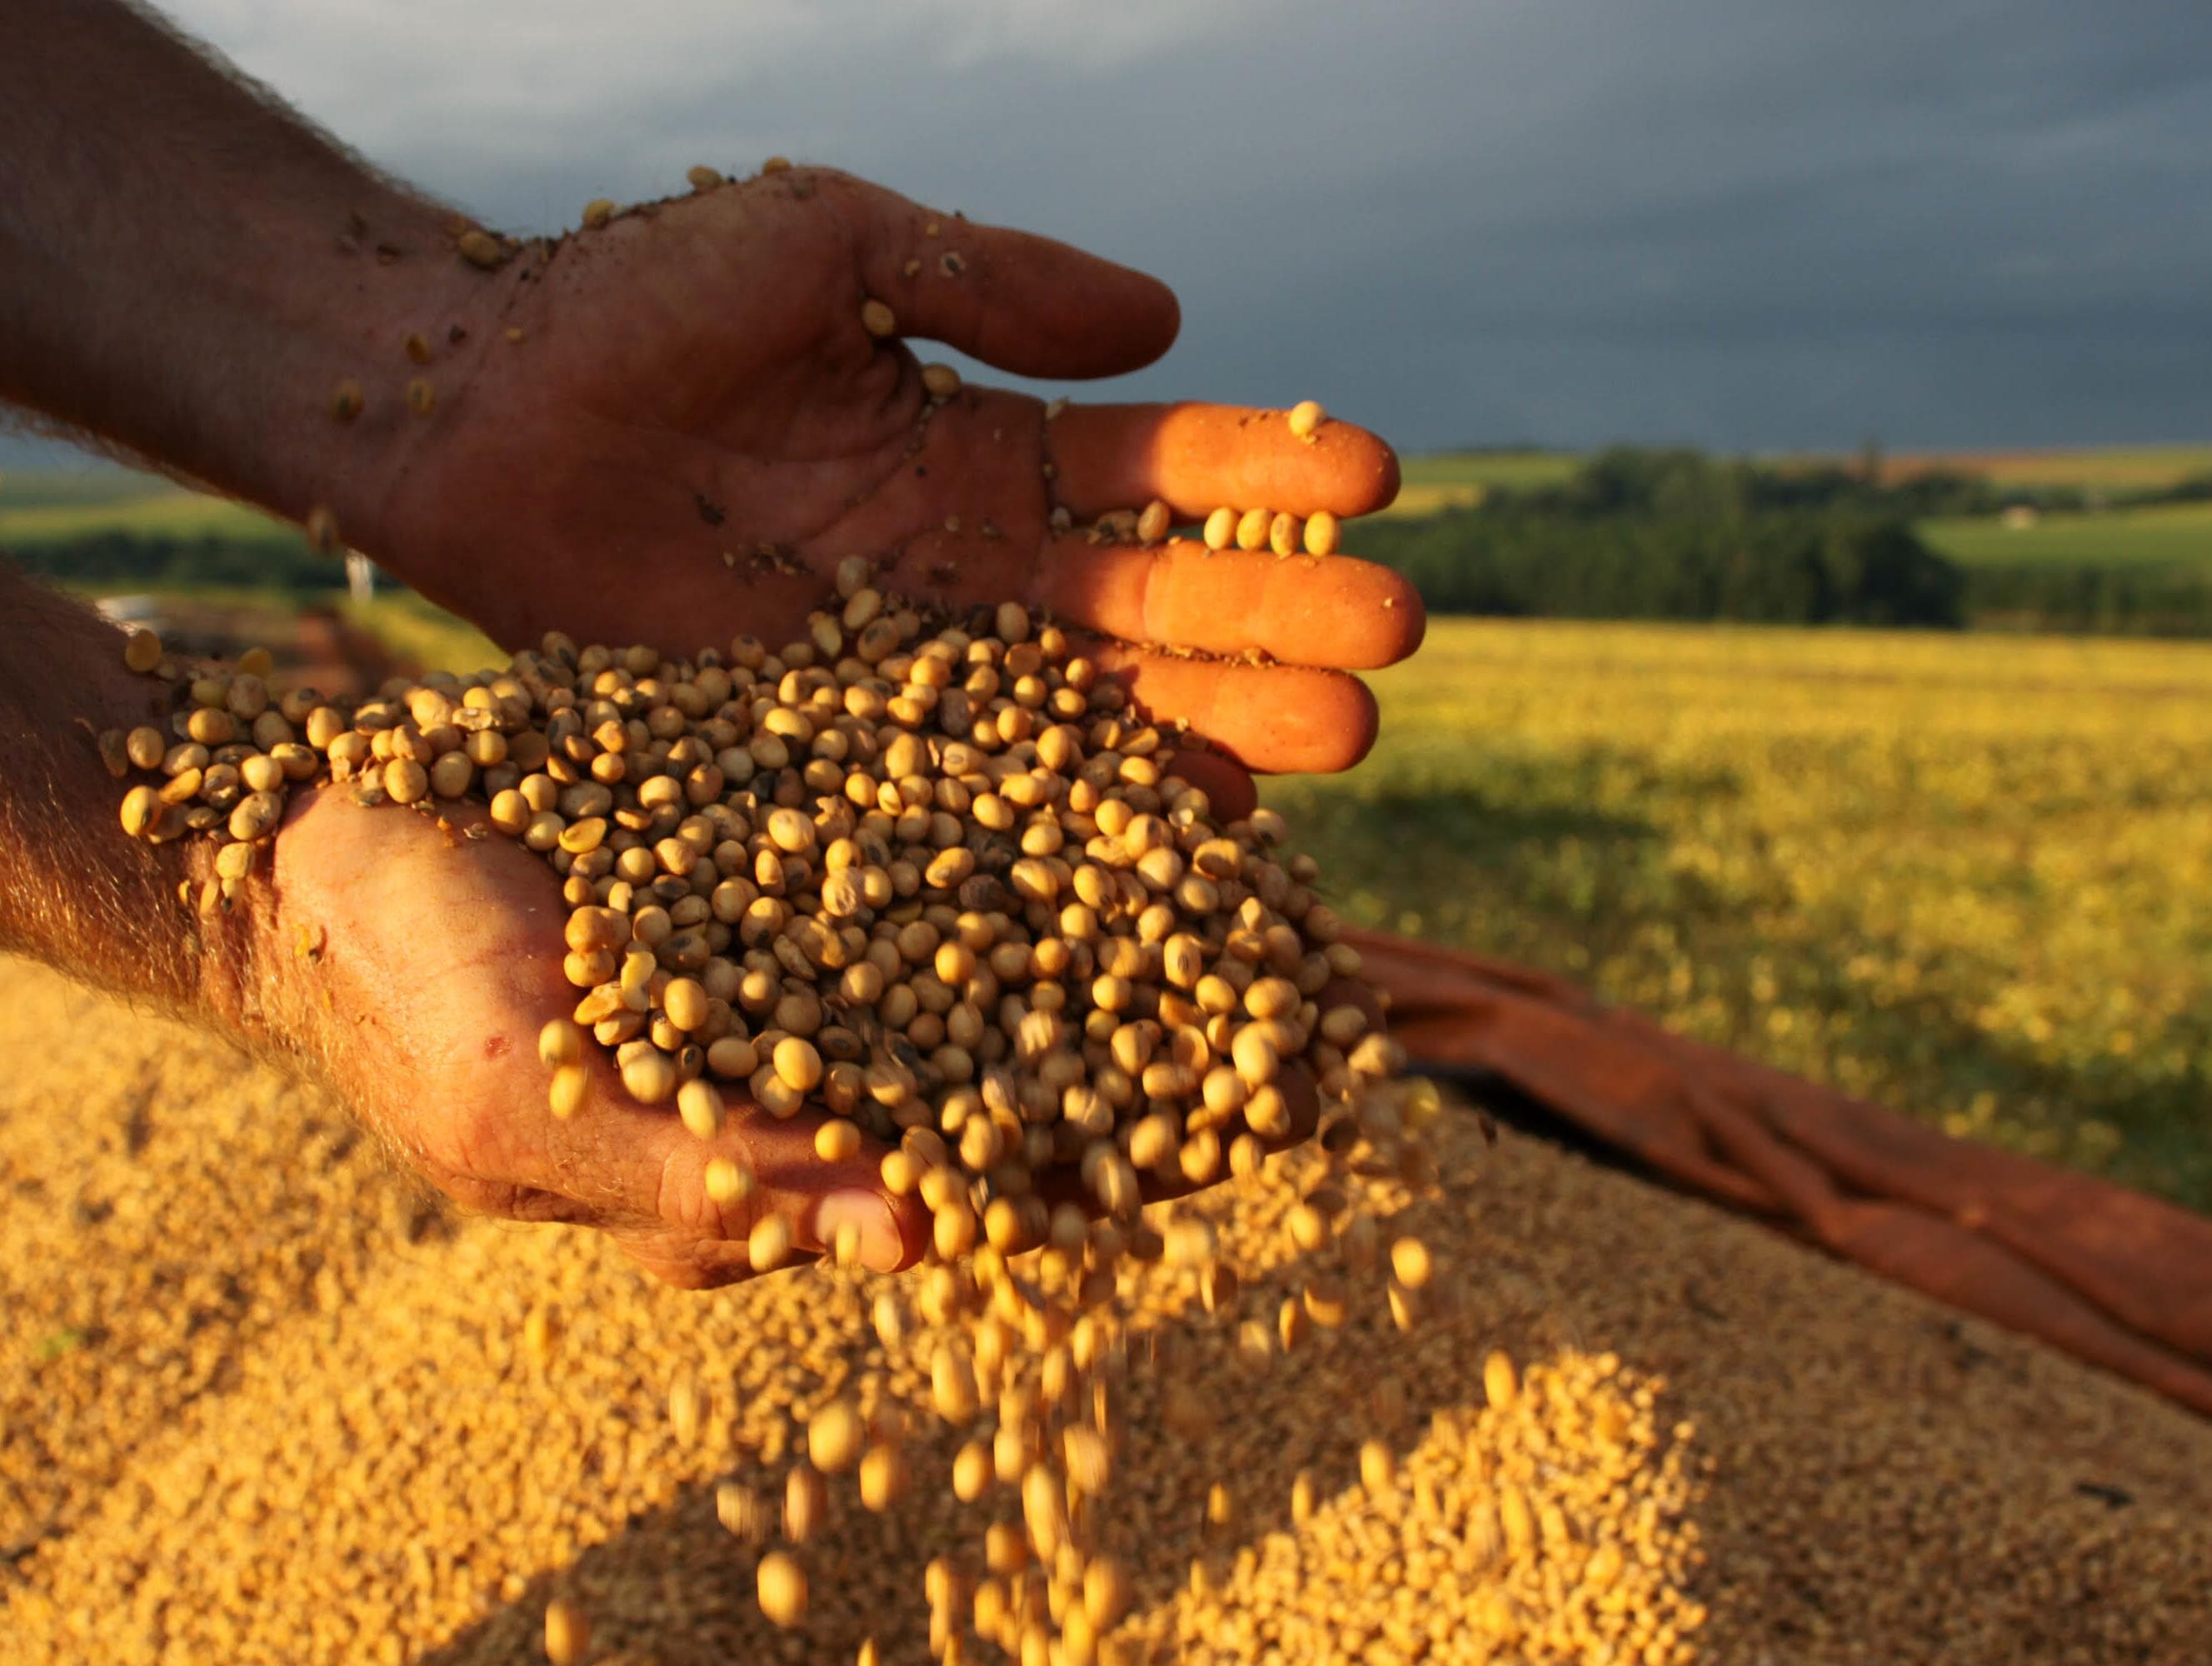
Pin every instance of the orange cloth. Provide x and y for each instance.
(2110, 1275)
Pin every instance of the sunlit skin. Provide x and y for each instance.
(417, 966)
(695, 378)
(669, 429)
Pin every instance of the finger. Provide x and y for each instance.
(1198, 457)
(649, 1173)
(1308, 611)
(1024, 303)
(1226, 783)
(1273, 720)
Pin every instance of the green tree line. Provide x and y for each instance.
(1768, 566)
(2088, 600)
(118, 561)
(1674, 534)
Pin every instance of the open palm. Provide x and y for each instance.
(671, 429)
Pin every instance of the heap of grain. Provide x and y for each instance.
(933, 886)
(262, 1404)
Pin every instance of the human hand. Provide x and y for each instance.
(413, 967)
(694, 379)
(598, 429)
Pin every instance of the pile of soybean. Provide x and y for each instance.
(262, 1402)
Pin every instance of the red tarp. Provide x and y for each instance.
(2112, 1276)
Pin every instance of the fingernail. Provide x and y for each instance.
(882, 1248)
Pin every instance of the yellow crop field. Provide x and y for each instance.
(1969, 877)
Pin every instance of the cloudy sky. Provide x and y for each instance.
(1742, 223)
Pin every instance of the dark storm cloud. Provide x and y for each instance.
(1747, 223)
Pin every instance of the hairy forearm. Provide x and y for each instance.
(189, 272)
(75, 890)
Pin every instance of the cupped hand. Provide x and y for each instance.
(414, 965)
(670, 428)
(411, 961)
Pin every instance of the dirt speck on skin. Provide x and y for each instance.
(251, 1410)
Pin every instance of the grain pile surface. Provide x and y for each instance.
(263, 1402)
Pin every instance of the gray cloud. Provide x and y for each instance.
(1727, 221)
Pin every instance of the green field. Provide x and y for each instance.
(2171, 535)
(1447, 479)
(52, 508)
(2118, 470)
(420, 633)
(1967, 877)
(38, 488)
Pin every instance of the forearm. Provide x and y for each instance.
(75, 890)
(190, 273)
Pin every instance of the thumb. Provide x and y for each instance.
(1022, 303)
(650, 1174)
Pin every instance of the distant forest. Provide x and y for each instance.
(275, 560)
(1645, 534)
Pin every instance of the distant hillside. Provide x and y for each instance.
(2113, 468)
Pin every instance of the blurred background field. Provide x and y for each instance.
(2154, 534)
(1966, 874)
(1970, 877)
(1462, 479)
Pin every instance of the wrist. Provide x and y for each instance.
(231, 952)
(192, 274)
(359, 338)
